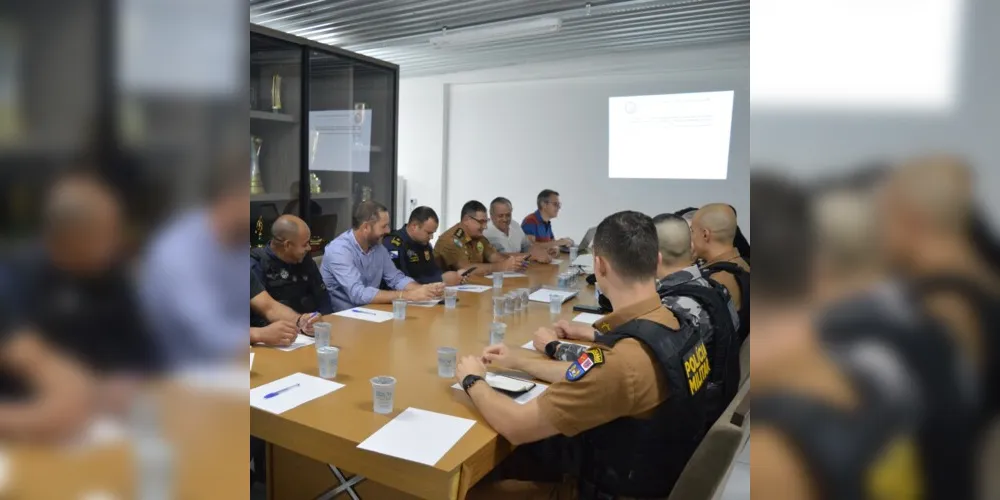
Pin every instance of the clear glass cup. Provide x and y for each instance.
(328, 359)
(522, 299)
(450, 298)
(555, 303)
(447, 360)
(383, 394)
(510, 305)
(574, 251)
(399, 309)
(499, 306)
(497, 333)
(321, 331)
(497, 280)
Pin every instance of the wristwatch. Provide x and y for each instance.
(550, 348)
(469, 381)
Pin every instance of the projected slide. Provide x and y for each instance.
(676, 136)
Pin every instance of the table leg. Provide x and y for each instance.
(346, 485)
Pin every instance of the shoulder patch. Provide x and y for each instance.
(480, 247)
(458, 243)
(596, 354)
(396, 241)
(604, 327)
(696, 367)
(586, 362)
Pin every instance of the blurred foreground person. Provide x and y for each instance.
(825, 425)
(194, 274)
(864, 310)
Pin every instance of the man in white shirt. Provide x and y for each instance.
(508, 238)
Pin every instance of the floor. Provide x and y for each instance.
(737, 487)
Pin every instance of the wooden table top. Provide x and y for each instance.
(330, 428)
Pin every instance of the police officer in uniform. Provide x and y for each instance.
(288, 276)
(713, 234)
(622, 420)
(463, 246)
(411, 250)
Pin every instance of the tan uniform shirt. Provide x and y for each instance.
(457, 250)
(628, 384)
(727, 279)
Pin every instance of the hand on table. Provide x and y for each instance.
(542, 255)
(453, 278)
(278, 334)
(469, 365)
(501, 356)
(573, 331)
(306, 322)
(553, 251)
(544, 336)
(425, 293)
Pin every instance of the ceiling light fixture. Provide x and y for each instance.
(494, 32)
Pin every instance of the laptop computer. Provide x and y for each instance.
(588, 238)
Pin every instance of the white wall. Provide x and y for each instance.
(515, 131)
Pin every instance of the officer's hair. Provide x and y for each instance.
(368, 211)
(785, 231)
(421, 215)
(544, 196)
(628, 241)
(674, 236)
(500, 200)
(471, 208)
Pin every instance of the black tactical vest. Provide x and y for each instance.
(293, 285)
(946, 391)
(642, 458)
(723, 348)
(868, 453)
(743, 280)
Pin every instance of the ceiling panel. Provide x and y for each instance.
(399, 31)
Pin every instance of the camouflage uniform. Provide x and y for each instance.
(687, 309)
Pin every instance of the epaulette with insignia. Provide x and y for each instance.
(396, 241)
(460, 233)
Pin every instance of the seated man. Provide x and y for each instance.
(281, 324)
(713, 232)
(624, 418)
(507, 237)
(411, 250)
(356, 263)
(537, 226)
(463, 246)
(286, 272)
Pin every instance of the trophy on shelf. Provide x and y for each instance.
(366, 193)
(276, 93)
(256, 184)
(315, 185)
(258, 234)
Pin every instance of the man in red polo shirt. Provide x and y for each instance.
(537, 226)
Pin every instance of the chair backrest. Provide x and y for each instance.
(705, 474)
(319, 261)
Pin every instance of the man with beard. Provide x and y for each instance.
(356, 263)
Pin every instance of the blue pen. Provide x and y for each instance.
(278, 392)
(362, 312)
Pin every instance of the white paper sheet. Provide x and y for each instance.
(309, 388)
(471, 288)
(300, 341)
(588, 318)
(425, 303)
(251, 360)
(365, 314)
(556, 261)
(418, 436)
(523, 398)
(509, 275)
(531, 345)
(586, 260)
(542, 295)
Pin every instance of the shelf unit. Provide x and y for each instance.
(314, 78)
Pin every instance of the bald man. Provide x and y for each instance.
(288, 275)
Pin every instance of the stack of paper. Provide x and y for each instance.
(365, 314)
(423, 303)
(543, 295)
(471, 288)
(290, 392)
(588, 318)
(418, 436)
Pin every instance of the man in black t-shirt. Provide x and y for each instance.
(285, 323)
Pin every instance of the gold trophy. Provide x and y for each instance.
(258, 233)
(276, 93)
(256, 184)
(315, 184)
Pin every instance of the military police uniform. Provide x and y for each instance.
(414, 259)
(457, 250)
(298, 286)
(630, 412)
(732, 272)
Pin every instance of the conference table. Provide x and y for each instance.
(309, 446)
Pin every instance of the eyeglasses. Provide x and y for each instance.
(482, 222)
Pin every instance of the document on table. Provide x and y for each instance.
(531, 345)
(556, 261)
(300, 341)
(543, 294)
(424, 303)
(523, 398)
(365, 314)
(290, 392)
(471, 288)
(509, 275)
(418, 436)
(584, 261)
(588, 318)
